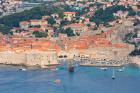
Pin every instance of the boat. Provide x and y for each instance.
(71, 69)
(22, 69)
(56, 69)
(121, 69)
(57, 81)
(104, 68)
(76, 65)
(113, 76)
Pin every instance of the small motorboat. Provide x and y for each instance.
(57, 81)
(54, 69)
(104, 69)
(22, 69)
(121, 70)
(76, 65)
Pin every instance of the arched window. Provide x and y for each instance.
(65, 56)
(60, 56)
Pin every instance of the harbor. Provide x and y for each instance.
(69, 46)
(84, 79)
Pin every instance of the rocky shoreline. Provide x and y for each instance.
(135, 60)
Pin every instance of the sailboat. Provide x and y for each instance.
(113, 76)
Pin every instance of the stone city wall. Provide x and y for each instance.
(29, 59)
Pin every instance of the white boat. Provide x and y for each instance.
(23, 69)
(104, 68)
(121, 69)
(56, 69)
(76, 65)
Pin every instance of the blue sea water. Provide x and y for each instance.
(83, 80)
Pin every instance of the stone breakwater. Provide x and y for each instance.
(32, 58)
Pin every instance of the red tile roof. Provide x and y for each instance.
(43, 20)
(24, 22)
(34, 20)
(65, 13)
(74, 25)
(121, 45)
(35, 29)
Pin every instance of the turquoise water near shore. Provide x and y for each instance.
(83, 80)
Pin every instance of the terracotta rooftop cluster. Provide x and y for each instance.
(92, 41)
(42, 44)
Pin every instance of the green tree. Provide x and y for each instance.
(39, 34)
(51, 21)
(130, 36)
(34, 13)
(136, 52)
(131, 13)
(4, 29)
(68, 31)
(64, 22)
(102, 16)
